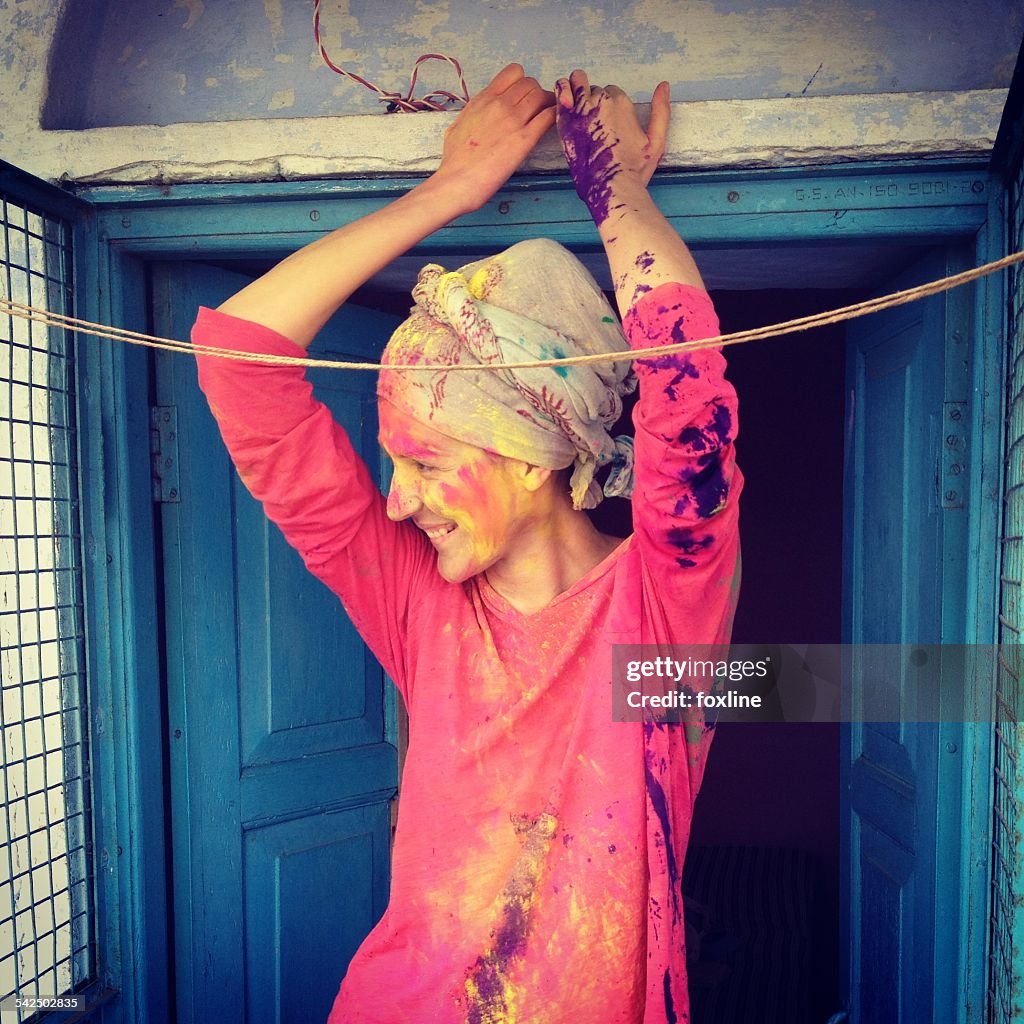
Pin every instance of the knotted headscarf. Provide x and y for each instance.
(533, 301)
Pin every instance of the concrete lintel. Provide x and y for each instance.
(703, 135)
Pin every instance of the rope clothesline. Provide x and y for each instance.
(899, 298)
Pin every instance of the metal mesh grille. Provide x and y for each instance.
(1006, 977)
(47, 944)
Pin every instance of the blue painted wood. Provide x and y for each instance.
(121, 605)
(839, 205)
(281, 771)
(905, 558)
(887, 183)
(135, 225)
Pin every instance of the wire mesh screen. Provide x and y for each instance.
(47, 944)
(1006, 977)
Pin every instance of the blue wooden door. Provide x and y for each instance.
(903, 537)
(282, 771)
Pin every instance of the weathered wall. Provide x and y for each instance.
(795, 82)
(125, 62)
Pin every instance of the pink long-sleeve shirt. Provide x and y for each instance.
(539, 849)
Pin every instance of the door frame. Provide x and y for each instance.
(905, 202)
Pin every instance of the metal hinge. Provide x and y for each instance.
(953, 461)
(163, 448)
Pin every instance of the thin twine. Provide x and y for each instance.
(436, 100)
(804, 323)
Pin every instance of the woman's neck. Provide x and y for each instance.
(549, 558)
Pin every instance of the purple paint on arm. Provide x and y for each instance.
(644, 261)
(591, 158)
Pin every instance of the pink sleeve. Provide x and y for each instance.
(298, 462)
(685, 509)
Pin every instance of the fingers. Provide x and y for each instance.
(503, 80)
(576, 90)
(563, 94)
(541, 123)
(528, 92)
(657, 126)
(535, 102)
(579, 84)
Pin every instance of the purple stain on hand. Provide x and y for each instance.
(590, 155)
(644, 261)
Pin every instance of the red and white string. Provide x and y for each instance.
(439, 99)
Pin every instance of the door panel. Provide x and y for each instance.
(895, 535)
(282, 773)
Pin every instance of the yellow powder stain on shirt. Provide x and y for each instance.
(488, 988)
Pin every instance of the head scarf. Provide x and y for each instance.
(533, 301)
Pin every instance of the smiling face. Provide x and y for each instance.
(474, 506)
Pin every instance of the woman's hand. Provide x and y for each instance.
(611, 159)
(492, 136)
(607, 150)
(484, 145)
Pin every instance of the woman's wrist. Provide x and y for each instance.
(443, 196)
(627, 198)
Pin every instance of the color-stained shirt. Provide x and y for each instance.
(537, 862)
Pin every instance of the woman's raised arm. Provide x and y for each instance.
(611, 159)
(482, 148)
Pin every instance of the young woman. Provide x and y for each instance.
(539, 848)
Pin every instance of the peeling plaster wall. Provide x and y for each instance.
(795, 82)
(123, 62)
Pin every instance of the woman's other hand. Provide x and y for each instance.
(607, 150)
(611, 160)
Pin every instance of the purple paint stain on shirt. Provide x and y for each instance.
(682, 538)
(670, 1006)
(673, 361)
(677, 333)
(694, 438)
(709, 489)
(716, 434)
(660, 804)
(721, 424)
